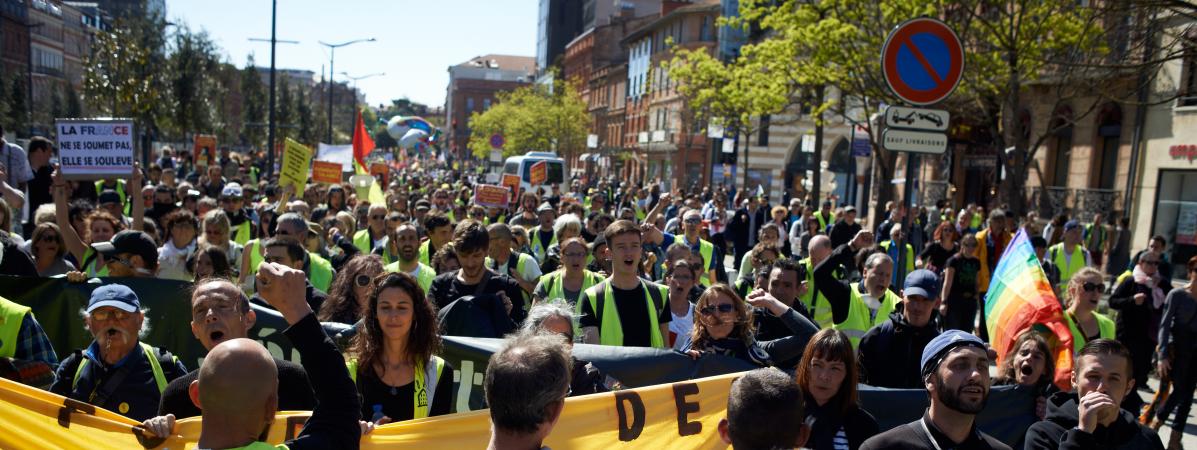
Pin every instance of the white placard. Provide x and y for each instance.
(340, 154)
(96, 148)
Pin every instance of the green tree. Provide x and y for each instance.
(18, 106)
(285, 117)
(113, 82)
(306, 117)
(254, 105)
(532, 119)
(192, 69)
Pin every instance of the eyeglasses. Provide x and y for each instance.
(118, 259)
(104, 315)
(362, 280)
(378, 217)
(1092, 287)
(693, 221)
(48, 238)
(710, 309)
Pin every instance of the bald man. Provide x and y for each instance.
(238, 383)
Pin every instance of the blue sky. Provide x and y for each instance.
(416, 41)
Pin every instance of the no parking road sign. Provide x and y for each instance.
(922, 60)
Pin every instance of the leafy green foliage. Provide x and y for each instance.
(532, 119)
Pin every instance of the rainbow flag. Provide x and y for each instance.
(1021, 298)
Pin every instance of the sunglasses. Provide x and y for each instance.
(693, 221)
(362, 280)
(1093, 287)
(378, 217)
(48, 238)
(104, 315)
(724, 308)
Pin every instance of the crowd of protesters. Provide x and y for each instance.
(818, 294)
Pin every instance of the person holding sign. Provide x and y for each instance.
(101, 227)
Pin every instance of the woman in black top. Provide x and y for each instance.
(959, 307)
(1139, 300)
(723, 325)
(1177, 347)
(393, 357)
(934, 256)
(836, 421)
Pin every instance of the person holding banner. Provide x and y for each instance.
(827, 375)
(393, 357)
(723, 321)
(404, 243)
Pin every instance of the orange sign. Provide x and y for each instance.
(326, 172)
(377, 169)
(205, 150)
(540, 173)
(512, 182)
(489, 195)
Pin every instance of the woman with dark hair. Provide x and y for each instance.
(723, 325)
(1030, 365)
(827, 375)
(209, 262)
(393, 358)
(959, 306)
(48, 250)
(445, 259)
(350, 291)
(181, 229)
(934, 256)
(336, 200)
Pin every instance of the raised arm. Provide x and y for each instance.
(63, 218)
(134, 194)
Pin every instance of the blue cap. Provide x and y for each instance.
(940, 345)
(1071, 225)
(118, 296)
(922, 282)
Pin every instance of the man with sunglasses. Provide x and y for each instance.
(241, 219)
(117, 372)
(289, 253)
(292, 227)
(130, 253)
(405, 244)
(374, 235)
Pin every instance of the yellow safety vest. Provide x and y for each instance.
(1067, 268)
(707, 250)
(424, 273)
(858, 321)
(262, 446)
(363, 242)
(120, 191)
(909, 255)
(91, 269)
(11, 316)
(242, 233)
(426, 252)
(539, 249)
(824, 222)
(150, 355)
(320, 272)
(815, 302)
(426, 376)
(1105, 329)
(611, 330)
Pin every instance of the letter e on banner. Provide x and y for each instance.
(629, 433)
(684, 409)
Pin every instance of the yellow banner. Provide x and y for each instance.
(675, 416)
(294, 170)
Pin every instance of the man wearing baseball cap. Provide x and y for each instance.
(955, 372)
(117, 372)
(240, 219)
(1069, 256)
(888, 351)
(130, 253)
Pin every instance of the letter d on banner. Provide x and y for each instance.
(626, 433)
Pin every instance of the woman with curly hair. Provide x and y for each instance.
(350, 290)
(445, 259)
(723, 325)
(393, 357)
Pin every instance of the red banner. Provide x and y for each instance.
(512, 182)
(489, 195)
(540, 173)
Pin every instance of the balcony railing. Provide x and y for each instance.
(1080, 204)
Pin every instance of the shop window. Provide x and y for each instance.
(1175, 216)
(1109, 133)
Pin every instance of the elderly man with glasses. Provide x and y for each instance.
(117, 371)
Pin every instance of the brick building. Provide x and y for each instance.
(472, 87)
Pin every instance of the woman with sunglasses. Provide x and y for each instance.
(1139, 300)
(1177, 348)
(350, 291)
(216, 228)
(48, 250)
(1084, 291)
(723, 325)
(827, 376)
(393, 358)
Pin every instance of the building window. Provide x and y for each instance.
(485, 104)
(1188, 88)
(469, 103)
(704, 29)
(763, 135)
(1109, 134)
(1175, 209)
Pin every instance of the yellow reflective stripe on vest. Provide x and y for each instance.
(424, 390)
(858, 321)
(11, 316)
(150, 355)
(362, 241)
(814, 300)
(1105, 330)
(320, 272)
(611, 332)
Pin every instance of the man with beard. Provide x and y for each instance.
(117, 372)
(1089, 417)
(496, 293)
(374, 235)
(220, 313)
(955, 372)
(625, 310)
(241, 220)
(406, 244)
(238, 385)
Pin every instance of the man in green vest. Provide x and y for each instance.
(25, 347)
(816, 304)
(289, 253)
(440, 231)
(625, 310)
(407, 248)
(1096, 240)
(520, 267)
(1070, 256)
(240, 220)
(292, 227)
(543, 237)
(825, 216)
(691, 223)
(374, 235)
(117, 372)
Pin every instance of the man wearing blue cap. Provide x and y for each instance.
(1069, 256)
(888, 351)
(117, 372)
(955, 372)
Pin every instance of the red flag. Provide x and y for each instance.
(362, 143)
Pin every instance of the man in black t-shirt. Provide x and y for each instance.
(638, 304)
(220, 312)
(490, 290)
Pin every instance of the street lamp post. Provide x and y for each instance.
(271, 127)
(332, 51)
(355, 80)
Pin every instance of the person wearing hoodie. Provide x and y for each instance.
(1089, 418)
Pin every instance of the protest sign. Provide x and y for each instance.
(540, 173)
(95, 148)
(296, 158)
(512, 181)
(340, 154)
(326, 172)
(489, 195)
(205, 150)
(379, 168)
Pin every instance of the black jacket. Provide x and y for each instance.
(740, 226)
(766, 353)
(1058, 430)
(842, 233)
(889, 353)
(825, 422)
(333, 423)
(914, 436)
(315, 298)
(1137, 325)
(294, 392)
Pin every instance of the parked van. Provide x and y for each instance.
(522, 166)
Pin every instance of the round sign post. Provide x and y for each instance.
(497, 141)
(922, 61)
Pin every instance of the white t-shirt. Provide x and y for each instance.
(681, 327)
